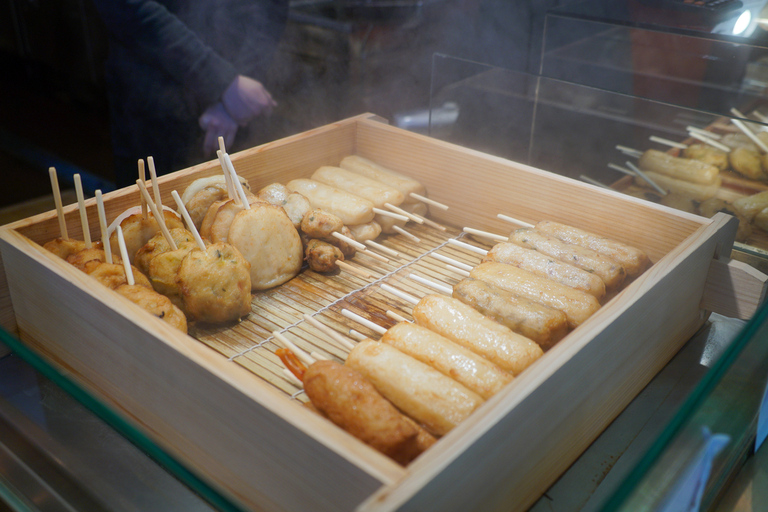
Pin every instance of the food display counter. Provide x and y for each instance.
(217, 401)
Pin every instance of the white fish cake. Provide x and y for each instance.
(266, 238)
(351, 209)
(374, 191)
(370, 169)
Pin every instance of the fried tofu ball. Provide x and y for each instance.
(322, 256)
(155, 303)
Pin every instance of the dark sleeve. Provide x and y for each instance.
(161, 39)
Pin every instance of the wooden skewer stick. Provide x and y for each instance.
(621, 169)
(428, 201)
(343, 265)
(706, 140)
(158, 215)
(646, 178)
(341, 340)
(514, 220)
(437, 286)
(398, 293)
(457, 270)
(414, 218)
(357, 335)
(394, 316)
(486, 234)
(629, 151)
(57, 201)
(668, 142)
(305, 357)
(318, 356)
(594, 182)
(451, 261)
(124, 253)
(701, 131)
(761, 117)
(190, 224)
(83, 213)
(382, 248)
(407, 234)
(227, 177)
(354, 243)
(749, 133)
(143, 177)
(236, 182)
(387, 213)
(103, 227)
(368, 252)
(292, 378)
(155, 186)
(431, 223)
(222, 146)
(364, 321)
(464, 245)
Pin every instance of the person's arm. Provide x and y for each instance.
(164, 41)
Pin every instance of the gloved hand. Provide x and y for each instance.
(216, 122)
(246, 98)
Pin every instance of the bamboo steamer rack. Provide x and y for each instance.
(219, 403)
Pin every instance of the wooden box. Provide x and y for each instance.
(218, 402)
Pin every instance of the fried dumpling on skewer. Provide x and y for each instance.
(137, 230)
(154, 303)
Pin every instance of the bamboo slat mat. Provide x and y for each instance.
(251, 344)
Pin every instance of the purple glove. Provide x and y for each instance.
(217, 123)
(246, 98)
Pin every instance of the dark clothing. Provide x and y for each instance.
(169, 60)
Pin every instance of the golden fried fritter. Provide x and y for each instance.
(322, 256)
(112, 275)
(215, 284)
(320, 224)
(155, 303)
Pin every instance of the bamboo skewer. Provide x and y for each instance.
(227, 178)
(437, 286)
(387, 213)
(57, 201)
(620, 169)
(405, 233)
(357, 335)
(701, 131)
(646, 178)
(486, 234)
(468, 247)
(400, 294)
(668, 142)
(124, 254)
(157, 214)
(103, 227)
(236, 182)
(305, 357)
(593, 181)
(749, 133)
(514, 220)
(354, 243)
(383, 248)
(707, 140)
(190, 224)
(457, 270)
(409, 215)
(629, 151)
(83, 213)
(341, 340)
(394, 316)
(143, 178)
(451, 261)
(363, 321)
(428, 201)
(155, 186)
(431, 223)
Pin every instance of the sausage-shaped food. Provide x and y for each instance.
(610, 271)
(546, 266)
(322, 256)
(351, 209)
(686, 169)
(707, 154)
(423, 393)
(466, 326)
(366, 167)
(344, 396)
(577, 305)
(374, 191)
(634, 260)
(750, 206)
(696, 191)
(368, 231)
(447, 357)
(543, 324)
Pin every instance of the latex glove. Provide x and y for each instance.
(246, 98)
(217, 123)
